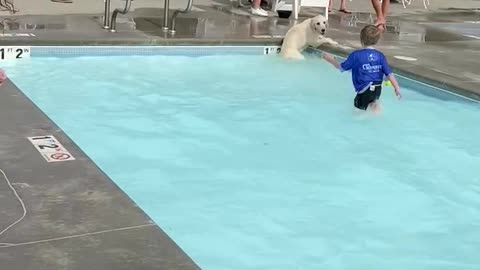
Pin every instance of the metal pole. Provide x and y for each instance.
(165, 15)
(106, 16)
(175, 14)
(113, 23)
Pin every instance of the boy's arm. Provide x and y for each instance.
(394, 82)
(388, 72)
(346, 65)
(331, 60)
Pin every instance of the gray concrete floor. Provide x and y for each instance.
(47, 7)
(98, 226)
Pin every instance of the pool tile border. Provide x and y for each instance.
(78, 51)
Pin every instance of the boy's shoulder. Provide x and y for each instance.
(367, 52)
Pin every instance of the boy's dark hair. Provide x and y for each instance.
(369, 35)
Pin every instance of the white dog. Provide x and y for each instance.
(310, 32)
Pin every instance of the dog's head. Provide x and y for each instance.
(319, 24)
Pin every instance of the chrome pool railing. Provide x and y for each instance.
(113, 22)
(175, 14)
(166, 8)
(171, 28)
(106, 15)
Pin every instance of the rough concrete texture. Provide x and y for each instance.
(43, 7)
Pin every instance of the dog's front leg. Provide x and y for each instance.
(323, 40)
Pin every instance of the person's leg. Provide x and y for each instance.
(343, 7)
(257, 10)
(385, 9)
(375, 104)
(380, 15)
(330, 6)
(375, 107)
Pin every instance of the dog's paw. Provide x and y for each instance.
(331, 41)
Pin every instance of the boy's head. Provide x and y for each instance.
(369, 35)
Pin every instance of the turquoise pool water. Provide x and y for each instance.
(250, 163)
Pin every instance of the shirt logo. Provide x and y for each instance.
(372, 68)
(372, 57)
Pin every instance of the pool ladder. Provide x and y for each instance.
(113, 22)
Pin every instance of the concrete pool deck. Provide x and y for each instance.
(77, 217)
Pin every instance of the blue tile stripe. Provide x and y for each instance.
(77, 51)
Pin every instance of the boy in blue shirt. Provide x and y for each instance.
(368, 66)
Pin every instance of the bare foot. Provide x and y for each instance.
(382, 27)
(380, 20)
(381, 24)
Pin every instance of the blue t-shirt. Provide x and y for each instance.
(368, 67)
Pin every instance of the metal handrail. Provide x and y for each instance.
(166, 8)
(106, 15)
(113, 22)
(9, 6)
(175, 14)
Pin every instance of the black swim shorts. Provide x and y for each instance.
(370, 95)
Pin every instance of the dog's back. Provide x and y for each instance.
(295, 41)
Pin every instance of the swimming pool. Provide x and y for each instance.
(251, 163)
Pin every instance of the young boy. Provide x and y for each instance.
(368, 66)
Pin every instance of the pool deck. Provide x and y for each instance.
(77, 217)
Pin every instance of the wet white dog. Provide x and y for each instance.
(310, 32)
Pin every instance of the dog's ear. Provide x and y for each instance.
(312, 24)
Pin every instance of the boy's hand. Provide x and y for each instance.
(396, 87)
(398, 94)
(331, 60)
(328, 57)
